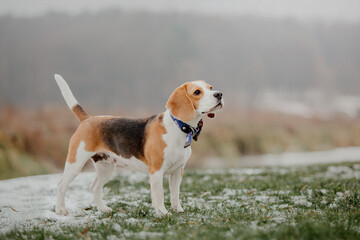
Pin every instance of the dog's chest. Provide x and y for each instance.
(175, 158)
(175, 155)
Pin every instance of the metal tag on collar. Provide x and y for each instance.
(188, 140)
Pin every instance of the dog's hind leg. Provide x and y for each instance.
(103, 173)
(72, 169)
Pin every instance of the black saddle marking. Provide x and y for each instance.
(125, 136)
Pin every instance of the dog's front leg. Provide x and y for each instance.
(157, 193)
(174, 184)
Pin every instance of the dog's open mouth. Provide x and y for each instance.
(210, 113)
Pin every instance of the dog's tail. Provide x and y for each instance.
(70, 99)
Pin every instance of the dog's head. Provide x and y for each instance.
(194, 98)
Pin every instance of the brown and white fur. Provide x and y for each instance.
(152, 145)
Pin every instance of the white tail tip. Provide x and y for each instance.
(58, 78)
(65, 90)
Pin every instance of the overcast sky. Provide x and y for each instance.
(308, 10)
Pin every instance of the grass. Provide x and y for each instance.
(317, 202)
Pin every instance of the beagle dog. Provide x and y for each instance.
(158, 145)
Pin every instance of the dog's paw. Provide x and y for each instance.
(62, 211)
(105, 209)
(161, 212)
(179, 209)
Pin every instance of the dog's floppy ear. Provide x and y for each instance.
(180, 104)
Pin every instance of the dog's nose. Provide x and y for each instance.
(218, 95)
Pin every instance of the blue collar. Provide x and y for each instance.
(191, 132)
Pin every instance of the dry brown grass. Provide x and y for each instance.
(252, 133)
(34, 141)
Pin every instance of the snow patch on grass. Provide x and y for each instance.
(31, 201)
(235, 171)
(301, 200)
(131, 221)
(117, 227)
(146, 235)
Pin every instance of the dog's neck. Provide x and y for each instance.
(193, 123)
(175, 135)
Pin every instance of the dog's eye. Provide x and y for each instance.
(210, 88)
(197, 92)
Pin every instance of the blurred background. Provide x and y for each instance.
(289, 71)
